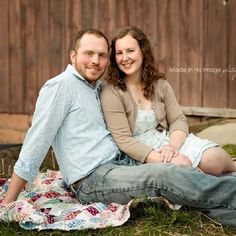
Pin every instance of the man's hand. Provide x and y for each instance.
(17, 184)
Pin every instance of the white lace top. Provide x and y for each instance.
(145, 129)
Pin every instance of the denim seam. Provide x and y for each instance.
(184, 198)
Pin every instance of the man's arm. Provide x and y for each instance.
(51, 108)
(16, 186)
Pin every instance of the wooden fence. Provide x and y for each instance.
(193, 42)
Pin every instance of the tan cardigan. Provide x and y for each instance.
(120, 111)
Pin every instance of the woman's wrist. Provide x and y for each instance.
(172, 146)
(154, 156)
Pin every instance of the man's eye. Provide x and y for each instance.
(89, 53)
(103, 55)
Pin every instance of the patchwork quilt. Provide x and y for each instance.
(49, 204)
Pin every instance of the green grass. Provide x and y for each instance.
(147, 218)
(231, 149)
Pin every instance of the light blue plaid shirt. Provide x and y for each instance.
(69, 118)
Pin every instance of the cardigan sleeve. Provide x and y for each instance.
(117, 123)
(174, 115)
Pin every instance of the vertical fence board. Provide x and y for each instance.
(131, 5)
(148, 9)
(113, 18)
(104, 16)
(122, 18)
(86, 6)
(16, 66)
(190, 64)
(73, 23)
(152, 29)
(56, 36)
(4, 59)
(42, 42)
(30, 89)
(232, 54)
(215, 58)
(169, 41)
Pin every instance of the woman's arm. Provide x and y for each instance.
(171, 150)
(177, 122)
(117, 123)
(174, 115)
(177, 138)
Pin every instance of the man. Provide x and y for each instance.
(68, 116)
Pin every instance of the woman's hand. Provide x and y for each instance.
(168, 152)
(181, 160)
(154, 156)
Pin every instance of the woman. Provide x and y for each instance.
(143, 114)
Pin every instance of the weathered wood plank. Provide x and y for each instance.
(121, 16)
(190, 53)
(215, 54)
(184, 33)
(231, 70)
(42, 42)
(209, 112)
(169, 46)
(57, 49)
(87, 21)
(72, 24)
(4, 59)
(16, 60)
(30, 76)
(132, 12)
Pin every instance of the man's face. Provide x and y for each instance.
(91, 57)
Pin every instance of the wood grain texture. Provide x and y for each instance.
(231, 51)
(197, 36)
(4, 58)
(16, 57)
(214, 53)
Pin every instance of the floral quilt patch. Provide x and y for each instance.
(49, 204)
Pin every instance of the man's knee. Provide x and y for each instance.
(160, 169)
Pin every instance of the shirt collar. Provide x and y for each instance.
(72, 70)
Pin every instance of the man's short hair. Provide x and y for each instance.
(79, 35)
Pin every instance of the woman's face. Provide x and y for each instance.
(129, 56)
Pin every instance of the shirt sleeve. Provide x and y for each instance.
(174, 115)
(117, 123)
(51, 108)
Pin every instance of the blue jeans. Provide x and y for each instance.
(123, 179)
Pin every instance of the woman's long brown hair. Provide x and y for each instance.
(150, 70)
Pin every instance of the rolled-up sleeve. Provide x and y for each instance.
(51, 108)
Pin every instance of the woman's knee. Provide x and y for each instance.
(214, 161)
